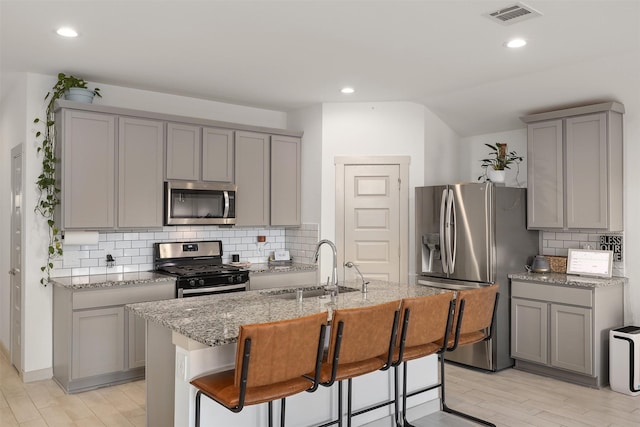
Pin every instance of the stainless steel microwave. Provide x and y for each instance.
(199, 203)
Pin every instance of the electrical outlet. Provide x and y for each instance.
(181, 366)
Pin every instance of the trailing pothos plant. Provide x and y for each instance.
(49, 192)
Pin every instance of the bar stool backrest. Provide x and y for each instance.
(479, 310)
(427, 320)
(366, 332)
(280, 350)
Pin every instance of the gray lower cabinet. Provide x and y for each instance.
(96, 341)
(562, 331)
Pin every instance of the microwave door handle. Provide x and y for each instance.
(443, 252)
(226, 204)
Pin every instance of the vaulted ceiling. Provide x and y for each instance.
(283, 55)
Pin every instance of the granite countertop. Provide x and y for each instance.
(568, 280)
(214, 320)
(293, 267)
(110, 280)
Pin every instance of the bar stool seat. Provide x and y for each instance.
(273, 361)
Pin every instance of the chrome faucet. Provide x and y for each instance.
(349, 264)
(334, 277)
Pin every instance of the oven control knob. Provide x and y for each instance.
(230, 279)
(201, 282)
(239, 279)
(192, 283)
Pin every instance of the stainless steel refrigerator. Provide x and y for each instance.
(471, 235)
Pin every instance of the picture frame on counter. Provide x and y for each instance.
(590, 262)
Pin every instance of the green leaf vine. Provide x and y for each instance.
(49, 192)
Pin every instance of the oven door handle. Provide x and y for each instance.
(226, 205)
(212, 290)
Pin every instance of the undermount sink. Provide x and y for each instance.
(312, 293)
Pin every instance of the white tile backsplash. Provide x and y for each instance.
(559, 243)
(133, 251)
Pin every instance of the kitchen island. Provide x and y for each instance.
(189, 337)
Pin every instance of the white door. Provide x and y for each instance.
(372, 236)
(16, 258)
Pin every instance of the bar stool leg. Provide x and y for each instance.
(396, 392)
(198, 394)
(339, 403)
(349, 385)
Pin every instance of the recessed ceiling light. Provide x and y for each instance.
(347, 90)
(67, 32)
(515, 43)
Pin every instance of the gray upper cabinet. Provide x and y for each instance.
(87, 147)
(252, 178)
(285, 180)
(183, 152)
(574, 168)
(140, 168)
(217, 155)
(95, 197)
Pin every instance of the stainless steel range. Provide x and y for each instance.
(198, 268)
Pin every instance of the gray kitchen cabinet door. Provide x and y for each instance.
(545, 166)
(252, 178)
(217, 155)
(529, 328)
(588, 172)
(137, 330)
(140, 169)
(98, 342)
(285, 180)
(183, 152)
(571, 338)
(88, 144)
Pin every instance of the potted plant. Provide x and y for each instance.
(499, 159)
(49, 197)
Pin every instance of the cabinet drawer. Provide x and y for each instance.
(551, 293)
(123, 295)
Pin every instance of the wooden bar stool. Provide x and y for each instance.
(473, 321)
(426, 322)
(273, 361)
(361, 342)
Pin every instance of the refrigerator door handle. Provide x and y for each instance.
(443, 250)
(452, 230)
(449, 230)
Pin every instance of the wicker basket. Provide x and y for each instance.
(558, 264)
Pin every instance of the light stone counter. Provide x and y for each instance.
(110, 280)
(215, 320)
(568, 280)
(262, 268)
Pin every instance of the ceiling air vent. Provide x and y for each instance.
(512, 14)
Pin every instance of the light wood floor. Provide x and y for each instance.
(509, 398)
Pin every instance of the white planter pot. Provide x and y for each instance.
(496, 176)
(79, 94)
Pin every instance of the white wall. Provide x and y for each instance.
(370, 129)
(472, 150)
(12, 122)
(24, 102)
(441, 153)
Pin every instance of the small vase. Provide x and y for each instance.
(496, 176)
(79, 94)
